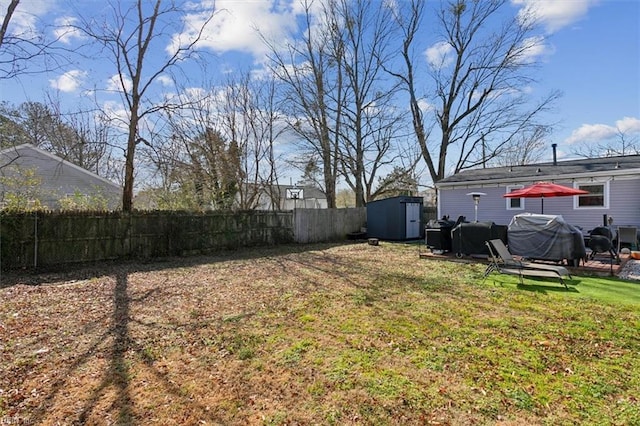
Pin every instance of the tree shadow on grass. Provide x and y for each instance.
(116, 383)
(83, 271)
(118, 373)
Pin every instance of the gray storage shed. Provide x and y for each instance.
(396, 218)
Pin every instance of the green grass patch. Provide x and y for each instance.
(357, 335)
(606, 289)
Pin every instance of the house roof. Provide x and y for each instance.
(32, 154)
(628, 165)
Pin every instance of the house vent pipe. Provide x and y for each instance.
(555, 156)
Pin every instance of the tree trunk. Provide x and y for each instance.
(127, 193)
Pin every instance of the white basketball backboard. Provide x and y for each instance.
(295, 193)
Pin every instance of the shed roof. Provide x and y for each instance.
(398, 199)
(628, 165)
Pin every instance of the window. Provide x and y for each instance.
(598, 196)
(514, 203)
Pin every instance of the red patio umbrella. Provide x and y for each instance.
(544, 190)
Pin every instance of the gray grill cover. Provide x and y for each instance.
(548, 237)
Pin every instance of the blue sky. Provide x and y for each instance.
(595, 62)
(592, 55)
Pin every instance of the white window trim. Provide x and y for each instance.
(508, 200)
(605, 186)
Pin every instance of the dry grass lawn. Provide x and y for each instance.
(351, 334)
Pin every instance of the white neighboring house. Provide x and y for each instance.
(290, 197)
(58, 178)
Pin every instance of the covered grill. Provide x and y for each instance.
(545, 237)
(468, 239)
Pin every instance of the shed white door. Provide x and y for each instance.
(413, 220)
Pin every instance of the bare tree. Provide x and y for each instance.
(249, 116)
(624, 143)
(478, 101)
(89, 145)
(79, 137)
(12, 132)
(313, 98)
(129, 40)
(400, 181)
(11, 8)
(194, 158)
(26, 49)
(270, 131)
(342, 99)
(223, 144)
(525, 148)
(361, 40)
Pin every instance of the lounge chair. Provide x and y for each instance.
(507, 258)
(501, 260)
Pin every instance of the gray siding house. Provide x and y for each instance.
(57, 178)
(613, 184)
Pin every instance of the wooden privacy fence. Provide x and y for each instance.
(320, 225)
(429, 213)
(29, 240)
(39, 239)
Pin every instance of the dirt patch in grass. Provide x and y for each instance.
(352, 334)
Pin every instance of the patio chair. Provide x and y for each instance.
(497, 264)
(628, 235)
(509, 261)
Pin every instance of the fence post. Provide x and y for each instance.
(35, 239)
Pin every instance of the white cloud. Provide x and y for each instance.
(629, 125)
(116, 114)
(591, 133)
(115, 84)
(165, 80)
(532, 49)
(425, 106)
(65, 31)
(600, 132)
(554, 14)
(262, 73)
(195, 94)
(192, 95)
(70, 81)
(26, 16)
(438, 55)
(236, 23)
